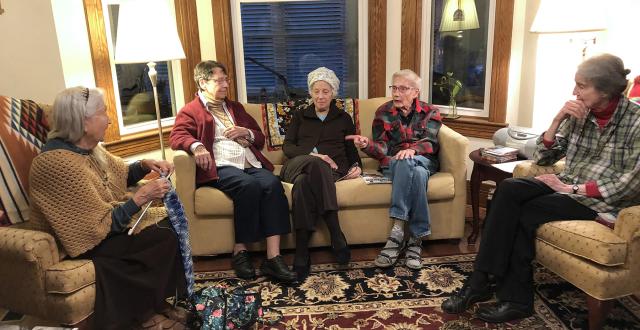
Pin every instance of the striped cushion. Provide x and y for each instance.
(23, 131)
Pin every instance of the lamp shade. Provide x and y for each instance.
(147, 32)
(459, 15)
(567, 16)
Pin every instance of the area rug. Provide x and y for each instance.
(363, 296)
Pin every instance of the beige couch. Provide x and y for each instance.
(363, 208)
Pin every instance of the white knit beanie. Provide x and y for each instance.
(326, 75)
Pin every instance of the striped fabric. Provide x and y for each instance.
(23, 131)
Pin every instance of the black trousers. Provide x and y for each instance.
(260, 208)
(314, 189)
(134, 275)
(507, 248)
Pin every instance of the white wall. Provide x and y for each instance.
(30, 64)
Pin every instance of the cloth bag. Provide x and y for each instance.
(218, 307)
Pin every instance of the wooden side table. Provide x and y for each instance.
(482, 171)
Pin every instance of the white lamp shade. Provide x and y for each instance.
(147, 32)
(567, 16)
(468, 21)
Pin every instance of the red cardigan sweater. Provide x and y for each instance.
(195, 124)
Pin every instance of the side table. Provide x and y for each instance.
(482, 171)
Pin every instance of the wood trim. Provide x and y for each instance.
(473, 126)
(222, 27)
(187, 22)
(500, 63)
(101, 62)
(377, 39)
(134, 144)
(410, 37)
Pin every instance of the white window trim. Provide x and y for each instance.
(425, 63)
(238, 47)
(175, 77)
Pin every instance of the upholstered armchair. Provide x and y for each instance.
(602, 262)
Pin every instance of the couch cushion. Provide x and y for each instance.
(587, 239)
(70, 276)
(351, 193)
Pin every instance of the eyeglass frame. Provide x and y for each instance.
(219, 81)
(85, 95)
(401, 89)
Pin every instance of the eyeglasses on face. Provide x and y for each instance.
(220, 81)
(85, 95)
(401, 89)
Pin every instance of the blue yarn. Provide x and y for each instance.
(179, 222)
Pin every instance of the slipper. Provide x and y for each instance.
(389, 255)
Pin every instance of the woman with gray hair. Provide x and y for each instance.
(78, 193)
(405, 142)
(319, 156)
(599, 134)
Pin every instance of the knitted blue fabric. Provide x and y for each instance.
(179, 222)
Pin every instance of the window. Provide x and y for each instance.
(460, 31)
(283, 41)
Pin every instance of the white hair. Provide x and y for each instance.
(415, 80)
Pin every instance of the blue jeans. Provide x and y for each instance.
(409, 192)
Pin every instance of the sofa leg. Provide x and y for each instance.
(598, 310)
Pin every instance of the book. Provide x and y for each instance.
(499, 151)
(375, 178)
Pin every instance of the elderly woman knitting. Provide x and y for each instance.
(405, 142)
(79, 193)
(318, 156)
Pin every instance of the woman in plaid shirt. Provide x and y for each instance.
(405, 142)
(599, 133)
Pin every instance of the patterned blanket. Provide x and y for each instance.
(277, 116)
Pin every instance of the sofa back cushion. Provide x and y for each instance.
(23, 131)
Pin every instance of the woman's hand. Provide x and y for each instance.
(406, 153)
(161, 167)
(573, 108)
(354, 172)
(326, 159)
(234, 132)
(554, 183)
(203, 158)
(152, 190)
(359, 140)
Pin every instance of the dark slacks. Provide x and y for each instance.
(260, 208)
(314, 189)
(507, 249)
(134, 276)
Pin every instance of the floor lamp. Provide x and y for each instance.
(147, 33)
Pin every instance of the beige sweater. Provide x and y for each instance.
(73, 199)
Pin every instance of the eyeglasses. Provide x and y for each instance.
(219, 81)
(401, 89)
(85, 94)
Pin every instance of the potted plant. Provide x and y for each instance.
(451, 86)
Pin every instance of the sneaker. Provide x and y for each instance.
(241, 263)
(277, 269)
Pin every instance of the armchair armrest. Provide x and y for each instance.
(185, 180)
(453, 153)
(628, 223)
(529, 169)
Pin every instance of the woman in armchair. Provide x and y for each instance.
(318, 156)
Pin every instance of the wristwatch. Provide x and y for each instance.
(575, 188)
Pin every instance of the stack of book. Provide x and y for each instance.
(499, 154)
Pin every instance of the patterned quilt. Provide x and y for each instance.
(277, 116)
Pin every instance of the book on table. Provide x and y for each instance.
(499, 154)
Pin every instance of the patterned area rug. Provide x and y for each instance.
(365, 297)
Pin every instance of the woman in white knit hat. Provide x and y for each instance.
(318, 156)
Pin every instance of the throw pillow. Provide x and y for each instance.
(23, 131)
(277, 116)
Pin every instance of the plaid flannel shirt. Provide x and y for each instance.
(389, 135)
(610, 157)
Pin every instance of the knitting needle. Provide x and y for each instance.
(140, 218)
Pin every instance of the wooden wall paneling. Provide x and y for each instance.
(187, 22)
(102, 63)
(500, 63)
(224, 40)
(377, 40)
(410, 35)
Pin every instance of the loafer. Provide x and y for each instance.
(464, 298)
(503, 311)
(277, 269)
(242, 265)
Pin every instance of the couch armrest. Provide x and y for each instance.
(24, 256)
(185, 180)
(628, 224)
(529, 169)
(453, 153)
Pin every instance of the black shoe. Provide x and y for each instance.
(276, 268)
(241, 263)
(464, 298)
(302, 271)
(503, 311)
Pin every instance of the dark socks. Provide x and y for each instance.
(478, 280)
(302, 247)
(338, 240)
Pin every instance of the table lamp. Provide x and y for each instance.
(459, 15)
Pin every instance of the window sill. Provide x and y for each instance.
(138, 143)
(477, 127)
